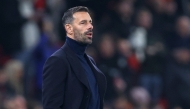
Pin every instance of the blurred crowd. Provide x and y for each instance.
(142, 47)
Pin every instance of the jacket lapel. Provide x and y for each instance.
(100, 77)
(76, 66)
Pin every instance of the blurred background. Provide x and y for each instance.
(142, 46)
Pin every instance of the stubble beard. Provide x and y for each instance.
(81, 38)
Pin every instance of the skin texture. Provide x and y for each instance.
(81, 28)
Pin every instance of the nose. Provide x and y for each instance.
(90, 26)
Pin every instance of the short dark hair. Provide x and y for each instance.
(68, 15)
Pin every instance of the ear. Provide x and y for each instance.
(69, 28)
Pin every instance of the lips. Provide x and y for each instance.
(89, 34)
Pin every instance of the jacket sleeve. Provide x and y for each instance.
(54, 77)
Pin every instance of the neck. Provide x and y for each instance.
(77, 47)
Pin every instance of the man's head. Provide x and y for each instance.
(78, 24)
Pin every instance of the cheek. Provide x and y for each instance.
(78, 30)
(82, 32)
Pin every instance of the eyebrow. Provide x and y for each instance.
(86, 21)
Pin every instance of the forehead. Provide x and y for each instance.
(79, 16)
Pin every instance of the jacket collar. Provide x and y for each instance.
(75, 64)
(80, 73)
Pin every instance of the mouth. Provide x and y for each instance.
(89, 34)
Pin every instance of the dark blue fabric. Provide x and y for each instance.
(79, 49)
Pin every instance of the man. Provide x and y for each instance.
(71, 79)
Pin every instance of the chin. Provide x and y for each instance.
(86, 41)
(90, 42)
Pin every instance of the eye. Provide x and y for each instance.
(82, 22)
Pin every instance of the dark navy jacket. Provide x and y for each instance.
(65, 85)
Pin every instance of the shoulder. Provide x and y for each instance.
(60, 53)
(57, 58)
(56, 66)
